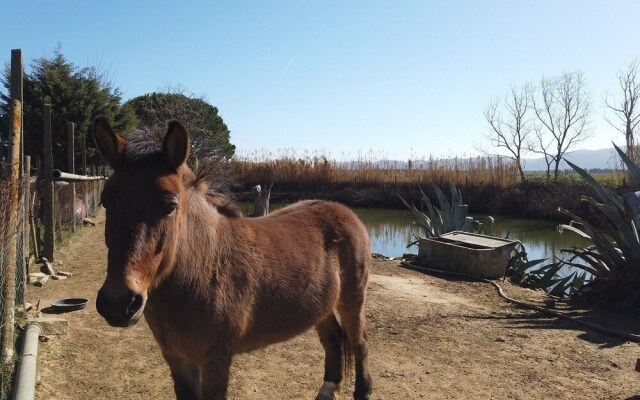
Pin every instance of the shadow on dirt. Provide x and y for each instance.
(625, 324)
(615, 323)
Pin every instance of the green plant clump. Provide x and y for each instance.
(611, 264)
(447, 216)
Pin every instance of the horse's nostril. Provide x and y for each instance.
(135, 304)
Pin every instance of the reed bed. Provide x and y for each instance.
(314, 169)
(489, 185)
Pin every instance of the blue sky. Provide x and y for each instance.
(394, 79)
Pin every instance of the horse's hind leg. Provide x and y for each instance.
(354, 325)
(330, 334)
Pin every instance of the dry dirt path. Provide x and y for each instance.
(431, 338)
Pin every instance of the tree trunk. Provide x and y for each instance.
(630, 144)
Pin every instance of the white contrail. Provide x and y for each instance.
(286, 68)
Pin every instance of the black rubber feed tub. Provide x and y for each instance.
(70, 304)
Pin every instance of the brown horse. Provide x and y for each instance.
(211, 283)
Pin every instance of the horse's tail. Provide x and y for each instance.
(347, 355)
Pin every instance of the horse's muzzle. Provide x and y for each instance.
(121, 312)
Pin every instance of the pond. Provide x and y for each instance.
(392, 230)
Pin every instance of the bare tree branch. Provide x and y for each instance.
(626, 109)
(562, 111)
(542, 146)
(511, 130)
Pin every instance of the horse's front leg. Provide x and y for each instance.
(215, 374)
(186, 377)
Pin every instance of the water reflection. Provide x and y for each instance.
(541, 238)
(392, 230)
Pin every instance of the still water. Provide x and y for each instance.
(392, 230)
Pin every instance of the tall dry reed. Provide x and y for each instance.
(287, 167)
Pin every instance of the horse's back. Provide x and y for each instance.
(297, 262)
(344, 237)
(339, 225)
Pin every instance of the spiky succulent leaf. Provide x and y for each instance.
(579, 232)
(421, 219)
(445, 210)
(634, 170)
(560, 286)
(605, 195)
(547, 273)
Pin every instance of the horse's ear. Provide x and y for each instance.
(176, 144)
(107, 142)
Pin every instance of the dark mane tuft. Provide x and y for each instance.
(144, 144)
(224, 205)
(214, 179)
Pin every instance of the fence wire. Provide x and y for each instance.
(13, 232)
(73, 202)
(24, 229)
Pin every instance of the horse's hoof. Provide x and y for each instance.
(324, 396)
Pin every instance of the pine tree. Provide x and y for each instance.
(209, 133)
(76, 95)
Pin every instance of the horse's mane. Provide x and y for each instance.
(143, 144)
(210, 177)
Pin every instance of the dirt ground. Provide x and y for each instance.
(430, 338)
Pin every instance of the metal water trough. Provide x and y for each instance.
(469, 253)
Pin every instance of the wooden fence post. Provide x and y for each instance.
(35, 230)
(9, 286)
(96, 192)
(71, 167)
(85, 185)
(48, 202)
(17, 93)
(84, 153)
(16, 88)
(26, 171)
(26, 212)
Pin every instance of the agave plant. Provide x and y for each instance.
(448, 216)
(552, 278)
(614, 256)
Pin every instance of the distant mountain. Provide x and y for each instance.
(587, 159)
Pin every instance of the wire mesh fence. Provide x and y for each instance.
(13, 263)
(73, 203)
(35, 213)
(21, 241)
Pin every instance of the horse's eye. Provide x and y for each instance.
(170, 208)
